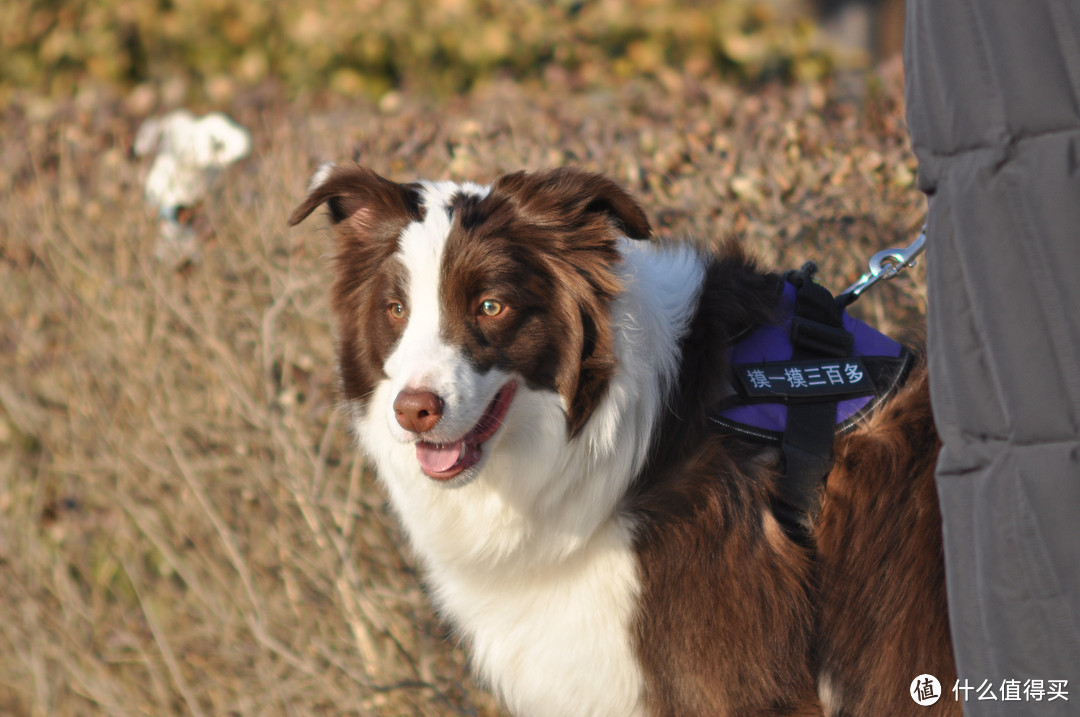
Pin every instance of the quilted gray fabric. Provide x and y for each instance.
(993, 93)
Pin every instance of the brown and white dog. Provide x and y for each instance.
(532, 382)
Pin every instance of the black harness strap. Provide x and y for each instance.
(817, 331)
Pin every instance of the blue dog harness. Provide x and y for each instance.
(799, 382)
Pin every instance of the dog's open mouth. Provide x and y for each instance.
(443, 461)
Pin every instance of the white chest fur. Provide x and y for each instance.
(556, 642)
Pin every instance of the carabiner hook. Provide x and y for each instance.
(886, 264)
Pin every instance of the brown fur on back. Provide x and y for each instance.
(735, 616)
(726, 616)
(883, 616)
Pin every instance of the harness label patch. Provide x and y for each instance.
(811, 378)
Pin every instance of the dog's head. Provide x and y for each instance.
(454, 300)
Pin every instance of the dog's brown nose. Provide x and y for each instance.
(418, 411)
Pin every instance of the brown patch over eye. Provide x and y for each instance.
(368, 214)
(528, 279)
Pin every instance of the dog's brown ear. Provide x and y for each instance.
(360, 202)
(607, 196)
(572, 194)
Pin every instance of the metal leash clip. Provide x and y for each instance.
(886, 264)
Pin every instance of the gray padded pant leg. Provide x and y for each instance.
(994, 113)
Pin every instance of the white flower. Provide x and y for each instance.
(190, 154)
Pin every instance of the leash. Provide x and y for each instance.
(817, 373)
(884, 265)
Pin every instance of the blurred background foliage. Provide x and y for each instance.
(54, 47)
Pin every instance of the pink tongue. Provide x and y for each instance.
(436, 458)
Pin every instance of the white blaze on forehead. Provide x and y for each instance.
(422, 359)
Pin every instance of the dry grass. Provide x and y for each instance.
(184, 525)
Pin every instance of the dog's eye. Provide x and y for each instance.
(396, 310)
(490, 307)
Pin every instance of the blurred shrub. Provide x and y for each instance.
(374, 45)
